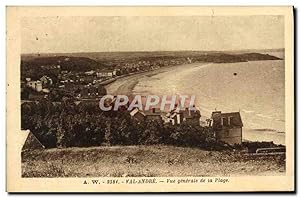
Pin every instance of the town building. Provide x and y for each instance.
(106, 73)
(178, 116)
(46, 81)
(149, 115)
(85, 91)
(89, 72)
(191, 117)
(137, 115)
(35, 85)
(153, 115)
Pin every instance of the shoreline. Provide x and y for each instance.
(127, 84)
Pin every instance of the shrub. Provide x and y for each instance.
(68, 125)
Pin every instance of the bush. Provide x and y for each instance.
(69, 125)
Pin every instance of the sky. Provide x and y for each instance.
(134, 33)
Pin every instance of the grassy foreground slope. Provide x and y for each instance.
(145, 161)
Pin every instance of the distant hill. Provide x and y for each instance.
(65, 62)
(142, 54)
(99, 60)
(257, 56)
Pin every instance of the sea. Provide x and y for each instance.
(256, 89)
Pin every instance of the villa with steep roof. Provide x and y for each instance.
(227, 127)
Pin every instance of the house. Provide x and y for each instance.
(178, 116)
(91, 91)
(137, 115)
(89, 72)
(85, 91)
(174, 117)
(149, 115)
(45, 90)
(227, 127)
(35, 85)
(46, 81)
(191, 117)
(153, 115)
(31, 142)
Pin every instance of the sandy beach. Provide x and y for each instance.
(126, 85)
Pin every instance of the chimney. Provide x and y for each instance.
(216, 113)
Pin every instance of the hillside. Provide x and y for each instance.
(144, 54)
(65, 62)
(145, 161)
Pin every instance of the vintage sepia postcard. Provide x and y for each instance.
(150, 99)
